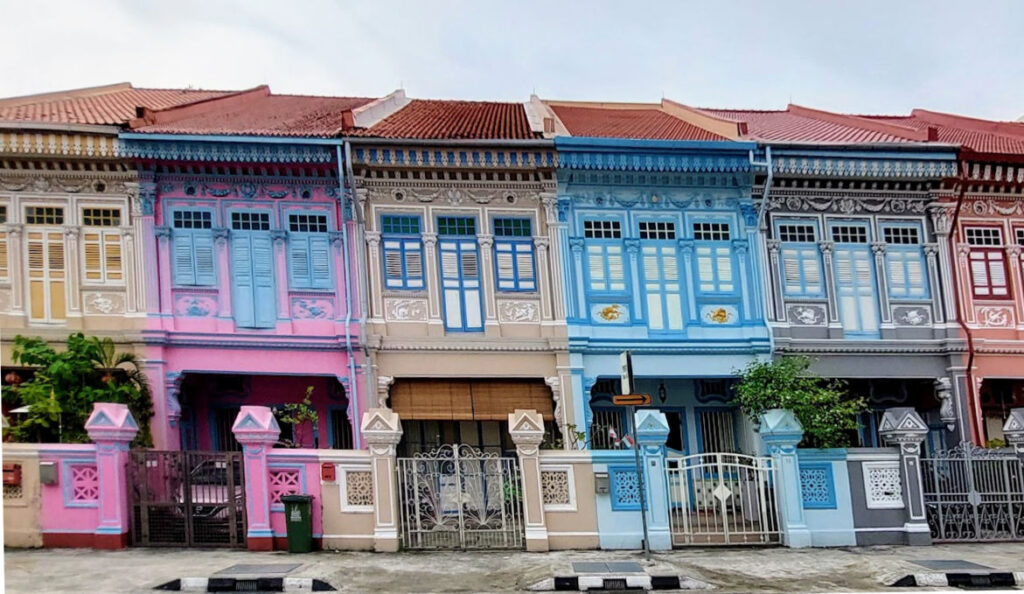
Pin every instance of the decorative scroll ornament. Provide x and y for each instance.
(944, 392)
(847, 204)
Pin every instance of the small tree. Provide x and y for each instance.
(297, 414)
(65, 385)
(824, 407)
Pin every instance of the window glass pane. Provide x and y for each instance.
(657, 230)
(984, 236)
(602, 229)
(711, 231)
(797, 233)
(307, 223)
(101, 217)
(250, 221)
(44, 215)
(192, 219)
(901, 235)
(512, 228)
(400, 224)
(850, 234)
(456, 226)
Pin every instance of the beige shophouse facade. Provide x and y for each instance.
(465, 322)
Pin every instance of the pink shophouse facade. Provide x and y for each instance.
(252, 291)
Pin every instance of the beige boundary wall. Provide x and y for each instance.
(347, 511)
(567, 492)
(22, 504)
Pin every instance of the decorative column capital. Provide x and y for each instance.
(111, 424)
(372, 238)
(527, 430)
(1013, 429)
(541, 243)
(485, 241)
(773, 246)
(15, 229)
(1013, 251)
(930, 249)
(826, 247)
(740, 246)
(686, 245)
(172, 387)
(279, 236)
(221, 235)
(162, 232)
(878, 247)
(336, 238)
(430, 239)
(71, 232)
(632, 245)
(384, 383)
(944, 392)
(576, 244)
(381, 430)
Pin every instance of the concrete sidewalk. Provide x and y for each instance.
(727, 569)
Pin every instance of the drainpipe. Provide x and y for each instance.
(761, 227)
(345, 255)
(976, 431)
(363, 277)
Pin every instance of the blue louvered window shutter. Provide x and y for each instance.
(513, 255)
(309, 252)
(263, 281)
(192, 246)
(242, 285)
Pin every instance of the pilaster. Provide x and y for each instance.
(257, 430)
(111, 427)
(527, 430)
(382, 430)
(781, 432)
(904, 428)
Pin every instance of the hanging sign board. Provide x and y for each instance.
(631, 399)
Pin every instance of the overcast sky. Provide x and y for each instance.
(860, 56)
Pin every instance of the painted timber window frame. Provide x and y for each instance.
(402, 251)
(461, 279)
(514, 266)
(856, 288)
(102, 251)
(906, 271)
(253, 278)
(5, 267)
(46, 263)
(987, 261)
(309, 250)
(660, 269)
(800, 265)
(193, 257)
(715, 268)
(605, 256)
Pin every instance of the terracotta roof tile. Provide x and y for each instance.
(454, 120)
(262, 114)
(984, 136)
(641, 123)
(111, 105)
(794, 126)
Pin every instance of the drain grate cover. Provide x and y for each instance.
(951, 565)
(606, 567)
(263, 569)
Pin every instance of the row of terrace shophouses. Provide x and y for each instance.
(456, 261)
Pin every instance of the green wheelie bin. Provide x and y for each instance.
(298, 520)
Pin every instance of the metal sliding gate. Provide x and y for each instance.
(973, 494)
(457, 497)
(722, 499)
(186, 498)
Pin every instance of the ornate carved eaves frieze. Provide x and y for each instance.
(225, 152)
(454, 194)
(647, 199)
(861, 167)
(849, 202)
(994, 207)
(247, 188)
(65, 182)
(455, 157)
(59, 144)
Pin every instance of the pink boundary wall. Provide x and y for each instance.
(88, 504)
(182, 339)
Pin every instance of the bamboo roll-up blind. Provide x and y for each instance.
(468, 400)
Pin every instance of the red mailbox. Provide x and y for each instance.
(12, 474)
(327, 472)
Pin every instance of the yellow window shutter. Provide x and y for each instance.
(93, 258)
(112, 253)
(4, 269)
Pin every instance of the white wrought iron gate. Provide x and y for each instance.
(973, 494)
(722, 498)
(457, 497)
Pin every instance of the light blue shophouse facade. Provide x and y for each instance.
(662, 258)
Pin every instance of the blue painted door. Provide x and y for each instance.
(662, 287)
(252, 272)
(460, 284)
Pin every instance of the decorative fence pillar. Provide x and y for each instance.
(651, 435)
(1014, 432)
(904, 428)
(382, 430)
(112, 428)
(781, 432)
(527, 430)
(257, 430)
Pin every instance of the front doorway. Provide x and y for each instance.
(186, 499)
(459, 497)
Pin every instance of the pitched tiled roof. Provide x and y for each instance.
(797, 124)
(984, 136)
(444, 120)
(109, 105)
(257, 113)
(642, 123)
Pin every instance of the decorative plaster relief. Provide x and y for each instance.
(518, 311)
(198, 306)
(5, 299)
(911, 315)
(995, 317)
(806, 315)
(103, 303)
(719, 314)
(312, 308)
(404, 310)
(609, 313)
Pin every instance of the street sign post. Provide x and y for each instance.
(631, 401)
